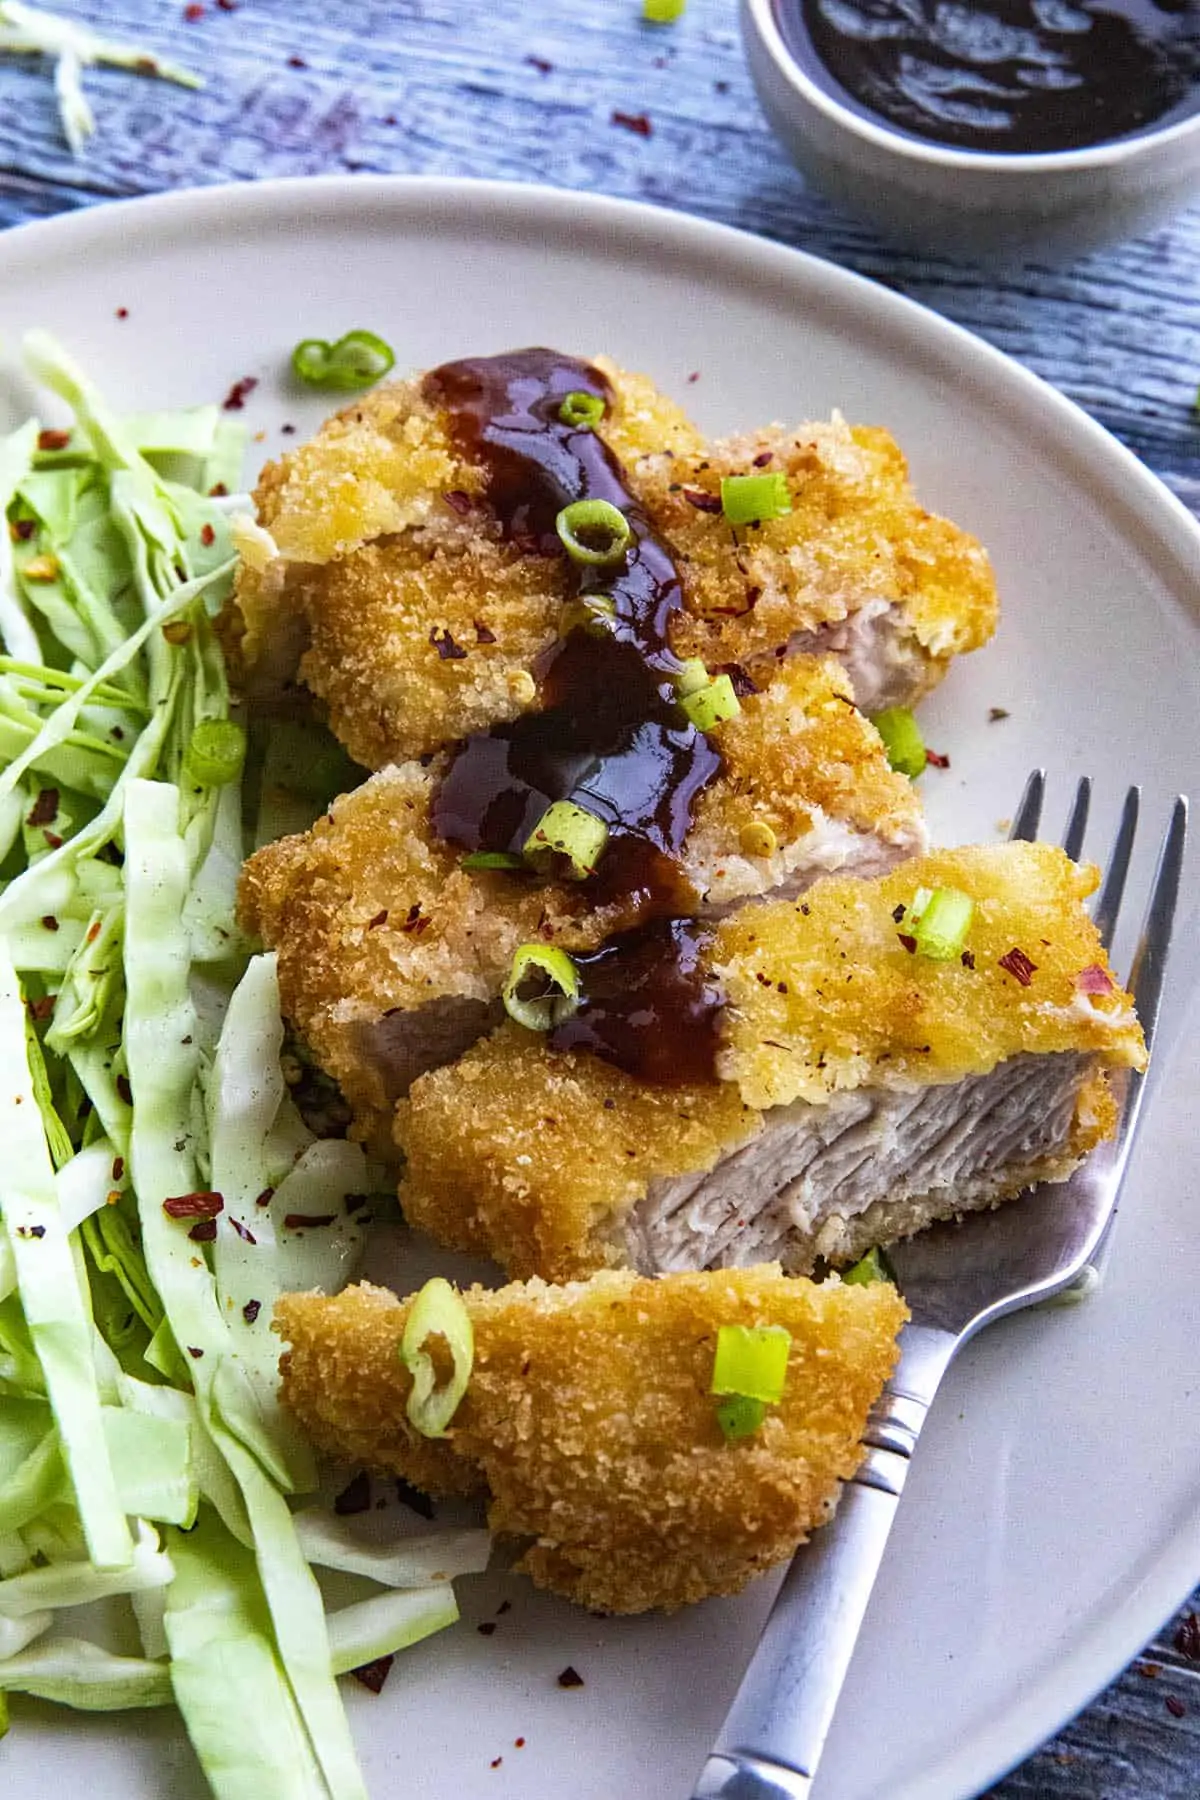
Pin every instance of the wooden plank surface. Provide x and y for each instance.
(524, 91)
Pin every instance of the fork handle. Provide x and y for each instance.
(773, 1735)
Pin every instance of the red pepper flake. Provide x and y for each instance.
(94, 930)
(1175, 1707)
(21, 530)
(194, 12)
(415, 922)
(445, 645)
(898, 912)
(909, 942)
(968, 959)
(301, 1221)
(763, 458)
(235, 399)
(298, 62)
(694, 376)
(192, 1351)
(147, 64)
(227, 5)
(740, 681)
(53, 839)
(53, 440)
(1150, 1671)
(118, 1168)
(487, 1628)
(1019, 966)
(205, 1232)
(935, 759)
(570, 1678)
(44, 808)
(251, 1311)
(495, 1762)
(124, 1091)
(122, 312)
(243, 1231)
(266, 1197)
(458, 502)
(1094, 980)
(379, 919)
(207, 534)
(374, 1674)
(355, 1497)
(49, 922)
(41, 1009)
(203, 1204)
(1187, 1637)
(996, 713)
(31, 1231)
(540, 64)
(483, 633)
(518, 1743)
(638, 123)
(706, 503)
(217, 491)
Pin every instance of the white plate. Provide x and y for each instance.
(1053, 1516)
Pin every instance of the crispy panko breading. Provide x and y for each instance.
(374, 919)
(556, 1164)
(589, 1420)
(423, 625)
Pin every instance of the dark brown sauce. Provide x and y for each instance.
(650, 1005)
(1017, 76)
(608, 733)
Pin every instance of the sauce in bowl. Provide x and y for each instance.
(1015, 76)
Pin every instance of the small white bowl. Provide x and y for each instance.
(976, 203)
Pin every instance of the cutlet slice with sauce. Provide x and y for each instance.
(392, 954)
(419, 612)
(590, 1423)
(859, 1090)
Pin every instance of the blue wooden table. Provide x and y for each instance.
(582, 94)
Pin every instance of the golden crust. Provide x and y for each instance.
(370, 911)
(536, 1157)
(590, 1419)
(423, 625)
(528, 1155)
(823, 994)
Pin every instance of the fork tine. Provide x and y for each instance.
(1029, 812)
(1116, 874)
(1076, 826)
(1150, 959)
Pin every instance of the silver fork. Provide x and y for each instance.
(956, 1279)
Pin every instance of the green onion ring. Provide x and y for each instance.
(356, 361)
(596, 518)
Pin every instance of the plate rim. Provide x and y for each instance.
(1143, 508)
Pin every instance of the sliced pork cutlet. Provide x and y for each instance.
(590, 1423)
(392, 955)
(420, 612)
(859, 1088)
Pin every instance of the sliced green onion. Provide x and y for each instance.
(869, 1268)
(593, 531)
(593, 613)
(902, 740)
(662, 12)
(215, 753)
(751, 1361)
(355, 361)
(584, 411)
(712, 704)
(693, 675)
(941, 930)
(918, 903)
(559, 983)
(437, 1311)
(749, 499)
(740, 1416)
(491, 859)
(565, 829)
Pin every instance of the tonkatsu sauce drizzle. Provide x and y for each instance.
(650, 1005)
(609, 733)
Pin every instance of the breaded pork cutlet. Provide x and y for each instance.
(590, 1423)
(418, 621)
(392, 955)
(865, 1088)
